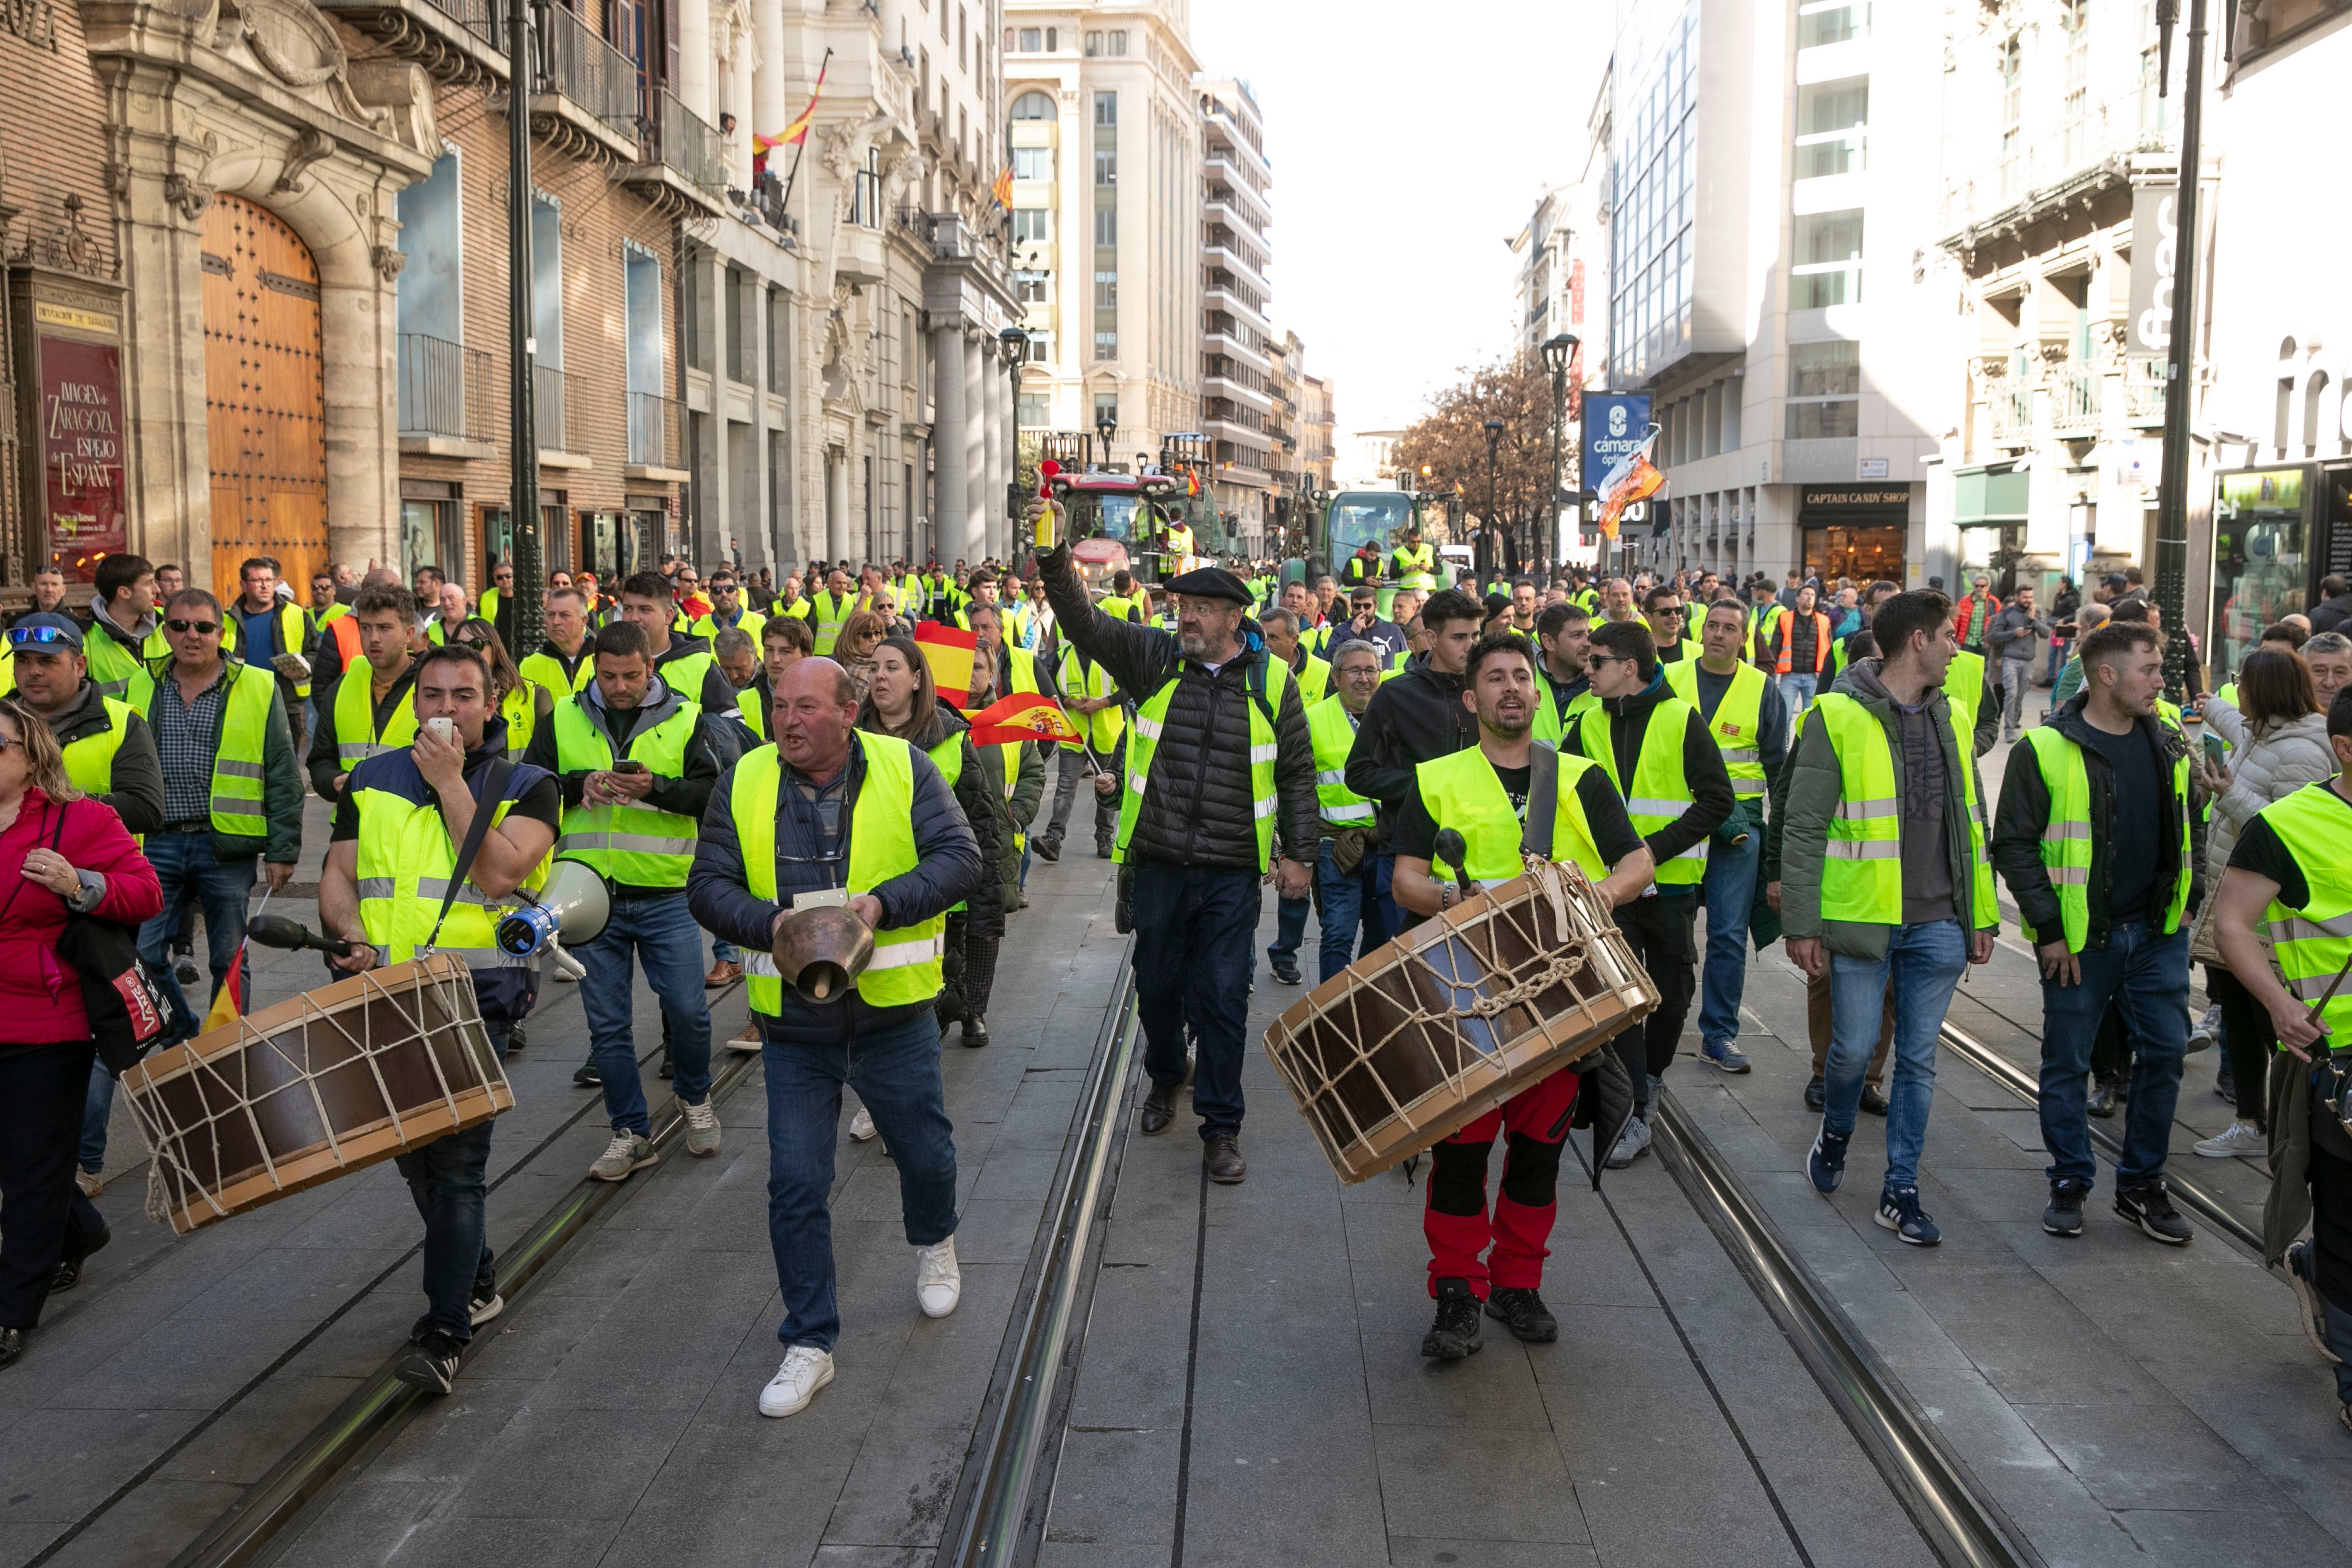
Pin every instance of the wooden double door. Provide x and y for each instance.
(265, 396)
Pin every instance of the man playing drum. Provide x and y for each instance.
(399, 822)
(1482, 794)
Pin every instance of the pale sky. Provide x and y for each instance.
(1409, 143)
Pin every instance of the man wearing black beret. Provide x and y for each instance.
(1220, 770)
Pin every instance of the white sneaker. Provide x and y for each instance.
(939, 1283)
(701, 1128)
(479, 1311)
(806, 1369)
(92, 1182)
(2208, 1030)
(1631, 1145)
(2238, 1138)
(624, 1153)
(747, 1041)
(861, 1126)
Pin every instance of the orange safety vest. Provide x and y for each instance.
(1788, 642)
(345, 630)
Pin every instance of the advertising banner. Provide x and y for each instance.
(81, 454)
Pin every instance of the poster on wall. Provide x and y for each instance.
(81, 454)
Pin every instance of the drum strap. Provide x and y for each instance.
(486, 801)
(1543, 800)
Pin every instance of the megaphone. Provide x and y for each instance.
(571, 907)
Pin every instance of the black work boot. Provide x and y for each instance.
(1524, 1313)
(1455, 1335)
(1221, 1152)
(1159, 1108)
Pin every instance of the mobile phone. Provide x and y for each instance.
(628, 765)
(444, 727)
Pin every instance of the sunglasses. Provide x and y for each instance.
(1668, 610)
(1594, 661)
(206, 628)
(42, 636)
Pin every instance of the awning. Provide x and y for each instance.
(1989, 497)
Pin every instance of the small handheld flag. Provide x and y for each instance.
(949, 652)
(1024, 716)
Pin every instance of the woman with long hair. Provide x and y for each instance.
(523, 705)
(902, 699)
(853, 650)
(2278, 743)
(72, 856)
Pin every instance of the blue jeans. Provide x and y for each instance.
(189, 870)
(896, 1071)
(1393, 914)
(1289, 927)
(446, 1180)
(667, 946)
(1350, 904)
(2059, 652)
(1194, 928)
(1730, 892)
(2147, 977)
(1923, 962)
(97, 1110)
(725, 951)
(1797, 691)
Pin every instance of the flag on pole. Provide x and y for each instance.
(796, 133)
(1635, 478)
(1024, 716)
(1001, 191)
(949, 652)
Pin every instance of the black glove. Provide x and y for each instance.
(1604, 1102)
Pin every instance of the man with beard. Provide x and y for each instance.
(1482, 793)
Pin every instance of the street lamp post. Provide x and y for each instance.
(1013, 344)
(1105, 427)
(522, 357)
(1557, 351)
(1494, 439)
(2180, 355)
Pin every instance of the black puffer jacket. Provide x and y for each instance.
(1416, 718)
(1199, 809)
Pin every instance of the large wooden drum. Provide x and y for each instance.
(1416, 1040)
(333, 1080)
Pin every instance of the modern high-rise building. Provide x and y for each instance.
(1767, 286)
(1238, 344)
(1106, 218)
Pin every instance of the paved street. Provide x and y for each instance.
(1248, 1387)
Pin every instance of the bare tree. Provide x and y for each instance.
(1445, 451)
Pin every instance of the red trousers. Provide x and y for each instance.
(1534, 1123)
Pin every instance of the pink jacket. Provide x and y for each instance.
(40, 997)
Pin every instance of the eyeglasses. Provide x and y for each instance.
(205, 628)
(42, 636)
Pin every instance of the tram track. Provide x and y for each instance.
(373, 1414)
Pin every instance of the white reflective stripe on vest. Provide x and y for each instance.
(1333, 776)
(1263, 807)
(887, 955)
(1863, 810)
(478, 957)
(237, 769)
(378, 886)
(1147, 728)
(1864, 849)
(1640, 807)
(2067, 830)
(236, 807)
(1346, 814)
(1695, 852)
(1740, 754)
(1264, 753)
(2070, 876)
(637, 843)
(2295, 928)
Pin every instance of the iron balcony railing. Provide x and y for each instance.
(550, 395)
(586, 70)
(683, 142)
(2042, 163)
(2012, 404)
(654, 422)
(444, 388)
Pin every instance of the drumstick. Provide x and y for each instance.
(1448, 845)
(2320, 1006)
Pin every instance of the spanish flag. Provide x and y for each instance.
(796, 133)
(1024, 716)
(228, 1003)
(1001, 192)
(949, 652)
